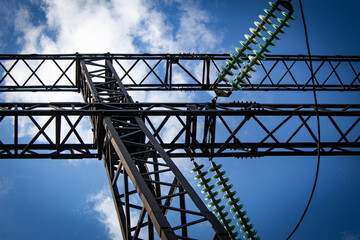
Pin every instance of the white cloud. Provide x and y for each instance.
(118, 26)
(100, 26)
(6, 185)
(350, 236)
(103, 205)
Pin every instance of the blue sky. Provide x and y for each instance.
(61, 199)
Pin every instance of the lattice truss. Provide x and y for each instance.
(197, 71)
(133, 139)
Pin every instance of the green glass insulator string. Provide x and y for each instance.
(259, 55)
(237, 59)
(233, 202)
(214, 201)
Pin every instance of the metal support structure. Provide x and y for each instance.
(131, 137)
(129, 148)
(281, 129)
(276, 73)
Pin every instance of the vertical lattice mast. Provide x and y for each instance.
(129, 149)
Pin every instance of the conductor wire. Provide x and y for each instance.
(318, 126)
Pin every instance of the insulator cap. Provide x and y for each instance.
(273, 5)
(256, 33)
(265, 19)
(269, 13)
(223, 181)
(250, 39)
(239, 79)
(226, 188)
(245, 45)
(251, 68)
(264, 48)
(245, 73)
(231, 64)
(287, 15)
(235, 58)
(278, 28)
(202, 183)
(273, 35)
(253, 59)
(260, 26)
(282, 22)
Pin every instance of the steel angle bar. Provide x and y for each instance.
(345, 69)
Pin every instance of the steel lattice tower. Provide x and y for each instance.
(132, 146)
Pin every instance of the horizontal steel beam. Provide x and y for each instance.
(175, 109)
(276, 129)
(148, 72)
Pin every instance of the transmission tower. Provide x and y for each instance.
(135, 154)
(129, 135)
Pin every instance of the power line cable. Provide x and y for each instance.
(318, 126)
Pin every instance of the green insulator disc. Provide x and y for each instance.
(235, 85)
(253, 232)
(281, 21)
(229, 195)
(235, 58)
(207, 189)
(226, 221)
(223, 181)
(251, 68)
(271, 43)
(213, 203)
(243, 213)
(218, 209)
(245, 45)
(250, 39)
(222, 215)
(201, 175)
(269, 13)
(231, 64)
(259, 55)
(256, 33)
(278, 28)
(214, 167)
(260, 26)
(253, 59)
(264, 48)
(286, 15)
(245, 73)
(273, 35)
(221, 77)
(239, 79)
(204, 182)
(226, 188)
(233, 234)
(264, 19)
(273, 5)
(197, 167)
(211, 195)
(244, 221)
(218, 175)
(246, 236)
(243, 229)
(237, 208)
(227, 71)
(233, 201)
(231, 227)
(240, 52)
